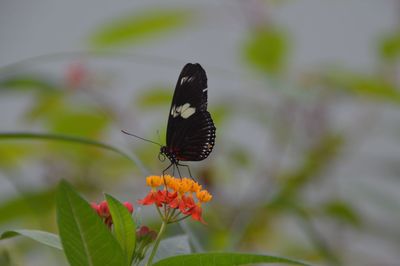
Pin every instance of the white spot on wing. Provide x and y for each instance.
(184, 107)
(184, 111)
(188, 112)
(186, 79)
(173, 110)
(183, 80)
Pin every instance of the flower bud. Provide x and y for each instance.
(96, 207)
(104, 211)
(142, 231)
(129, 206)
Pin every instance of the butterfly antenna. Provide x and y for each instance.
(133, 135)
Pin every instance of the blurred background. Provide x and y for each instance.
(304, 94)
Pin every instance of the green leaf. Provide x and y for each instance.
(84, 237)
(154, 97)
(390, 46)
(124, 226)
(267, 50)
(72, 139)
(138, 26)
(223, 259)
(27, 83)
(65, 138)
(46, 238)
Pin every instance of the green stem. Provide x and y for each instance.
(159, 212)
(170, 215)
(174, 220)
(121, 56)
(67, 138)
(157, 242)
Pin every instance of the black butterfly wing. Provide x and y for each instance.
(195, 137)
(191, 87)
(190, 95)
(190, 130)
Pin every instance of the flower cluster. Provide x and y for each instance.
(104, 212)
(176, 198)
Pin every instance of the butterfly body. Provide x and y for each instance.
(190, 130)
(170, 154)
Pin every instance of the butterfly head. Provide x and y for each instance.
(166, 152)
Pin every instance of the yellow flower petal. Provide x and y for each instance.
(154, 181)
(195, 187)
(203, 196)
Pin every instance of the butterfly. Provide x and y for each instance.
(190, 128)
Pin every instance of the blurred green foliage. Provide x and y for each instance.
(154, 97)
(12, 153)
(368, 86)
(342, 211)
(78, 123)
(390, 46)
(138, 26)
(267, 50)
(314, 164)
(28, 205)
(27, 82)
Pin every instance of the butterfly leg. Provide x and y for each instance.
(169, 166)
(188, 168)
(179, 172)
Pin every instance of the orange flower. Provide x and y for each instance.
(203, 196)
(184, 185)
(196, 212)
(172, 183)
(176, 194)
(195, 187)
(183, 203)
(154, 181)
(151, 198)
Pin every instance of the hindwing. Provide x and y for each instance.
(194, 138)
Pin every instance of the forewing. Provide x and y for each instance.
(191, 87)
(190, 97)
(195, 138)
